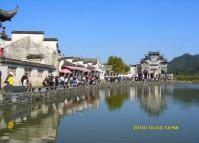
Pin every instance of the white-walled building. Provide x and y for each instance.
(92, 64)
(132, 71)
(29, 52)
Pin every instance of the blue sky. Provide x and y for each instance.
(125, 28)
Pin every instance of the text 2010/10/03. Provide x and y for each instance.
(157, 127)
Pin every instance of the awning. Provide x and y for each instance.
(73, 68)
(93, 69)
(97, 70)
(65, 71)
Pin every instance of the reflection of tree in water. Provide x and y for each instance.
(116, 98)
(152, 100)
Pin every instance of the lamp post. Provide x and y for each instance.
(2, 41)
(1, 52)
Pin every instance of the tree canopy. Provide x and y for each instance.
(118, 66)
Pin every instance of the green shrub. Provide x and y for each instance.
(187, 77)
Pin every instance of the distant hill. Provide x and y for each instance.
(184, 65)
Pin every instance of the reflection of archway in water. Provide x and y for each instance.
(39, 122)
(152, 97)
(152, 100)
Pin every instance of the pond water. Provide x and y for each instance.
(108, 115)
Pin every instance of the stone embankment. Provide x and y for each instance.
(43, 93)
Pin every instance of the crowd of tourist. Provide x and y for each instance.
(74, 81)
(53, 81)
(69, 80)
(139, 77)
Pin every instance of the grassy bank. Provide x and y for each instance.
(192, 78)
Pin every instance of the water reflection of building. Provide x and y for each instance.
(45, 131)
(133, 93)
(39, 123)
(151, 97)
(30, 125)
(78, 102)
(152, 100)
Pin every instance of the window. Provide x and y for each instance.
(40, 73)
(50, 71)
(28, 71)
(12, 69)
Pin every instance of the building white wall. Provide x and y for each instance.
(34, 78)
(133, 70)
(19, 74)
(37, 80)
(52, 45)
(45, 73)
(22, 45)
(7, 43)
(37, 38)
(61, 63)
(4, 71)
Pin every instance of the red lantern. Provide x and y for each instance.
(1, 52)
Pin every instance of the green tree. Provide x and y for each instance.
(118, 65)
(126, 68)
